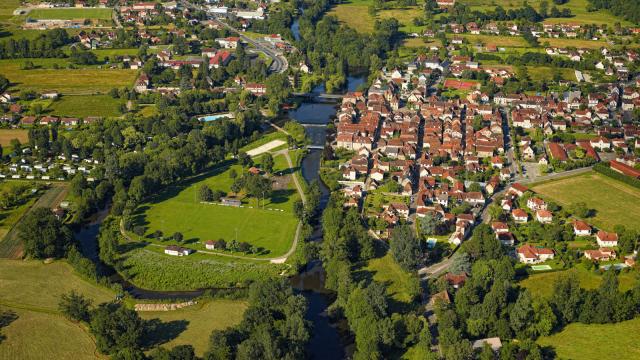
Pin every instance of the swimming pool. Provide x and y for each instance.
(215, 117)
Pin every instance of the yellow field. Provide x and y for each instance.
(6, 135)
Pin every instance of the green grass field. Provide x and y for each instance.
(542, 284)
(9, 217)
(70, 14)
(36, 335)
(614, 201)
(578, 9)
(178, 209)
(86, 105)
(149, 268)
(355, 14)
(201, 319)
(37, 286)
(596, 342)
(82, 81)
(399, 283)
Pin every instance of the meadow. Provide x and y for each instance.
(614, 202)
(33, 285)
(578, 9)
(199, 321)
(401, 285)
(542, 284)
(596, 341)
(81, 81)
(71, 13)
(85, 105)
(355, 14)
(36, 335)
(9, 217)
(149, 268)
(267, 224)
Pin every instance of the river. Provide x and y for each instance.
(325, 342)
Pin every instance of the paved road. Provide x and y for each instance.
(279, 63)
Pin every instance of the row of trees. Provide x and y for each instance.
(46, 45)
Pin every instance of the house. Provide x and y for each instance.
(456, 281)
(231, 202)
(544, 216)
(535, 203)
(499, 227)
(518, 189)
(519, 215)
(581, 228)
(602, 254)
(493, 342)
(212, 244)
(256, 89)
(230, 42)
(528, 254)
(624, 169)
(177, 251)
(606, 239)
(506, 238)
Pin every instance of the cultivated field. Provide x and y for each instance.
(198, 321)
(37, 335)
(81, 81)
(542, 284)
(8, 218)
(6, 135)
(70, 14)
(614, 202)
(271, 228)
(596, 341)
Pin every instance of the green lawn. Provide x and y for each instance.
(542, 284)
(70, 14)
(36, 335)
(271, 228)
(82, 81)
(400, 284)
(38, 286)
(614, 201)
(200, 320)
(596, 342)
(86, 105)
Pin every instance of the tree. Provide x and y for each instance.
(461, 264)
(205, 193)
(177, 236)
(157, 234)
(138, 230)
(405, 247)
(267, 163)
(428, 224)
(44, 235)
(298, 209)
(75, 306)
(116, 328)
(521, 313)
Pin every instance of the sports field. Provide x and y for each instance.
(82, 81)
(267, 224)
(71, 13)
(614, 201)
(596, 341)
(195, 323)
